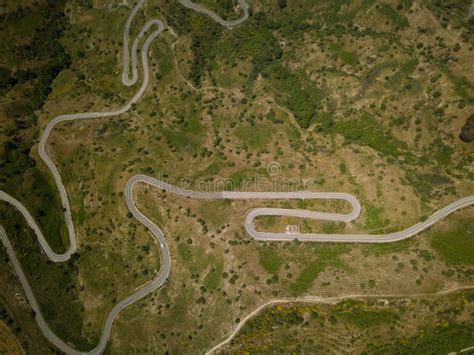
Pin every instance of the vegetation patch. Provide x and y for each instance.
(8, 342)
(456, 246)
(303, 97)
(374, 218)
(326, 255)
(270, 259)
(427, 326)
(362, 316)
(347, 57)
(20, 176)
(467, 132)
(55, 284)
(367, 131)
(441, 339)
(255, 136)
(397, 18)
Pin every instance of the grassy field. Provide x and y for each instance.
(327, 255)
(455, 243)
(270, 260)
(8, 343)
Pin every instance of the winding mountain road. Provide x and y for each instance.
(196, 7)
(305, 195)
(156, 27)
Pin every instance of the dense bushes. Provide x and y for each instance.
(467, 132)
(43, 49)
(203, 41)
(281, 4)
(6, 79)
(304, 97)
(39, 57)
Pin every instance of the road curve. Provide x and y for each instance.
(158, 280)
(347, 238)
(131, 80)
(156, 232)
(249, 225)
(158, 235)
(196, 7)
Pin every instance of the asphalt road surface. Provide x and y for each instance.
(196, 7)
(150, 31)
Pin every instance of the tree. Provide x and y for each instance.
(281, 4)
(467, 131)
